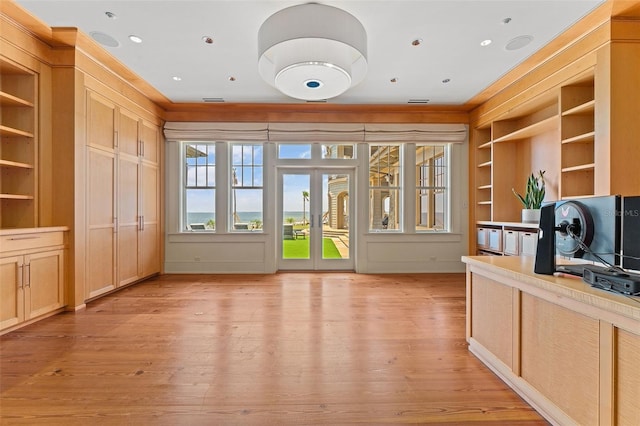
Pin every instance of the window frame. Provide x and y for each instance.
(233, 186)
(395, 181)
(185, 225)
(440, 184)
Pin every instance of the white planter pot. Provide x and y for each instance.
(531, 215)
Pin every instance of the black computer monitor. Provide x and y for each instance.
(580, 229)
(589, 229)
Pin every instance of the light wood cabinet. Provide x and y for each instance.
(18, 146)
(150, 238)
(138, 198)
(122, 197)
(569, 350)
(31, 275)
(101, 193)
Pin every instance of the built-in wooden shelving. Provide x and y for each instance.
(18, 146)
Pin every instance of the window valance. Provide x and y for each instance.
(415, 133)
(200, 131)
(316, 132)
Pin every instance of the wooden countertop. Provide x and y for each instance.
(519, 269)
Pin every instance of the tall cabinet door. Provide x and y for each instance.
(150, 199)
(100, 209)
(128, 199)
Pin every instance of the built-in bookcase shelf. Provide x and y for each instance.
(531, 130)
(577, 106)
(18, 146)
(554, 132)
(483, 155)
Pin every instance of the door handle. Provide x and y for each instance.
(27, 275)
(20, 276)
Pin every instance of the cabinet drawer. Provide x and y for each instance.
(31, 241)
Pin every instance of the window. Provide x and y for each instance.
(385, 177)
(200, 186)
(431, 188)
(247, 167)
(340, 151)
(294, 151)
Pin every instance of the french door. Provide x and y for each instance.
(315, 217)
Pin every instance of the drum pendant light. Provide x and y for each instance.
(312, 51)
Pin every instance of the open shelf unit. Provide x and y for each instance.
(577, 109)
(18, 146)
(483, 172)
(553, 132)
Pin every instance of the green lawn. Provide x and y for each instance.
(299, 249)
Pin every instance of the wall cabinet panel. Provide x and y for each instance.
(128, 198)
(550, 363)
(123, 197)
(100, 222)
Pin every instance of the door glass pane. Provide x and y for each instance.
(295, 214)
(335, 216)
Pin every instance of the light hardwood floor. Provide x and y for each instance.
(289, 348)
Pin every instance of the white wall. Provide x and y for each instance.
(378, 252)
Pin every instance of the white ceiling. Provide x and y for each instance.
(451, 31)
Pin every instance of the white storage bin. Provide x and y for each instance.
(511, 242)
(528, 243)
(482, 238)
(495, 239)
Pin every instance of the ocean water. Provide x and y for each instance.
(245, 217)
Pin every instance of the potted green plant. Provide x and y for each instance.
(533, 197)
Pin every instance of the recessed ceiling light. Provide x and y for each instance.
(111, 15)
(207, 39)
(394, 80)
(135, 38)
(232, 78)
(177, 78)
(446, 80)
(518, 42)
(485, 42)
(416, 42)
